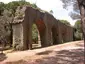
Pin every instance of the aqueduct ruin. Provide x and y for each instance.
(51, 30)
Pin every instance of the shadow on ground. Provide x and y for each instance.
(72, 56)
(2, 57)
(80, 44)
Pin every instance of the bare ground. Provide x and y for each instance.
(68, 53)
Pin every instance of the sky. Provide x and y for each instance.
(54, 5)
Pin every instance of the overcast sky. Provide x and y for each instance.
(55, 5)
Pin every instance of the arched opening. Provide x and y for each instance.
(38, 34)
(64, 35)
(55, 35)
(36, 43)
(42, 31)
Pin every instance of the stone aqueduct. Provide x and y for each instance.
(51, 30)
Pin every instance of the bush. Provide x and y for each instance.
(34, 33)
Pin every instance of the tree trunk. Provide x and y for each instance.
(11, 36)
(82, 13)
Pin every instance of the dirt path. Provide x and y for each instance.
(68, 53)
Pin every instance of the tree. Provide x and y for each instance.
(51, 11)
(5, 27)
(34, 5)
(7, 14)
(78, 31)
(75, 14)
(11, 6)
(34, 33)
(2, 7)
(81, 4)
(77, 25)
(78, 7)
(65, 22)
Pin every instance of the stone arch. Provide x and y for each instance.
(42, 31)
(47, 25)
(36, 17)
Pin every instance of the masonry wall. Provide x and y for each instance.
(66, 32)
(51, 30)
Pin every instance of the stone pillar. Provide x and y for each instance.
(59, 33)
(54, 34)
(43, 37)
(49, 36)
(27, 35)
(17, 36)
(29, 42)
(57, 37)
